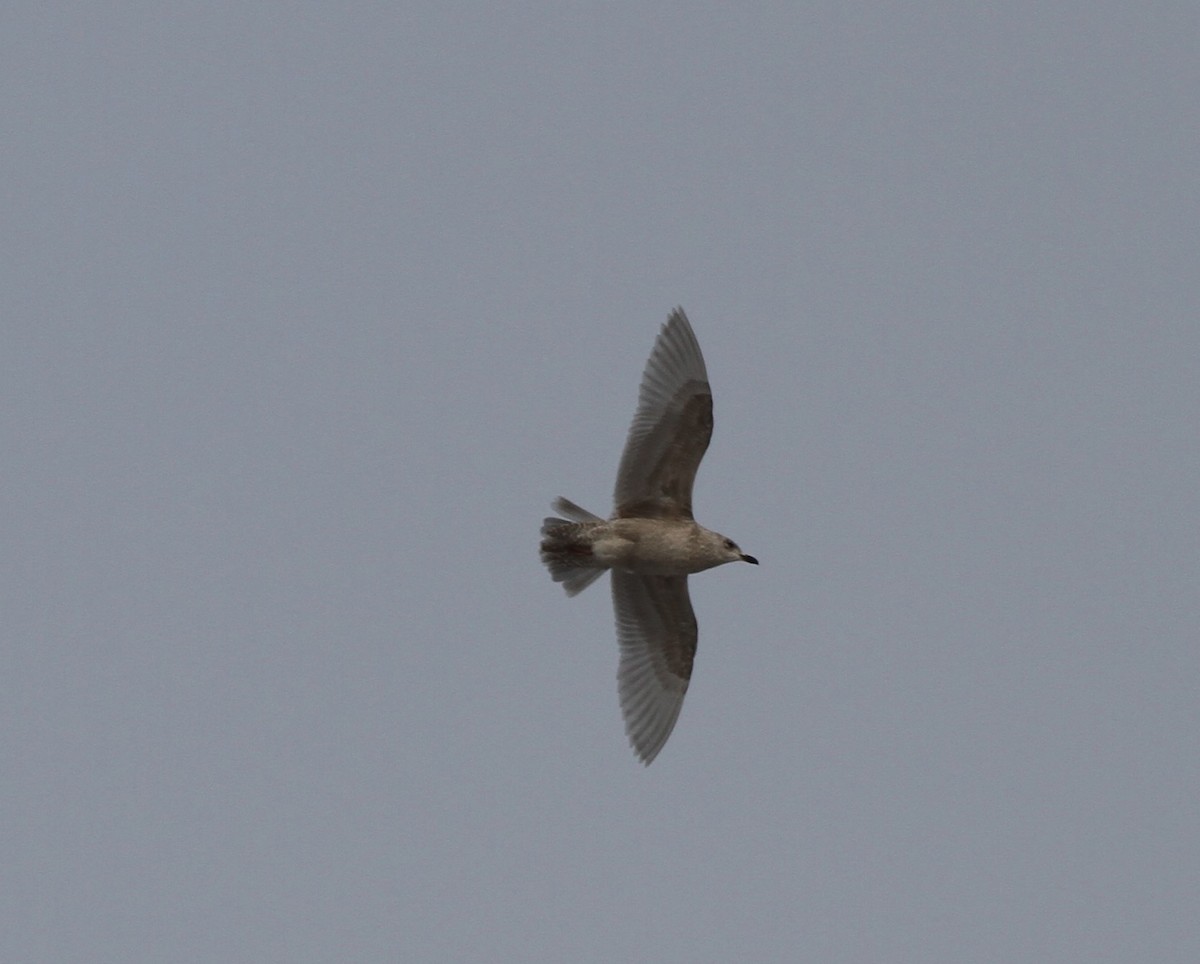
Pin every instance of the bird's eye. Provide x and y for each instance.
(729, 544)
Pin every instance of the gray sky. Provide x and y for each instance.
(309, 311)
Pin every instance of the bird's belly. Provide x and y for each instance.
(657, 559)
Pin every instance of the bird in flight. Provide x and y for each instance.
(651, 543)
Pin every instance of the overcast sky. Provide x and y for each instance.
(308, 311)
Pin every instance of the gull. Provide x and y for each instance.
(651, 543)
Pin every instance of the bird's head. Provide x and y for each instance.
(728, 550)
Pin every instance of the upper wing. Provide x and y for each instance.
(657, 632)
(671, 429)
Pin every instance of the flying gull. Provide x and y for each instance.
(651, 543)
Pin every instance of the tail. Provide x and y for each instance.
(567, 548)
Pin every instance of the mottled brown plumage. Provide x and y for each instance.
(652, 542)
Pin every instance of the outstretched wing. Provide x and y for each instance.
(656, 629)
(670, 431)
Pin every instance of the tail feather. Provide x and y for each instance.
(567, 550)
(574, 512)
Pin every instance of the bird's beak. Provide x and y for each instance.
(750, 559)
